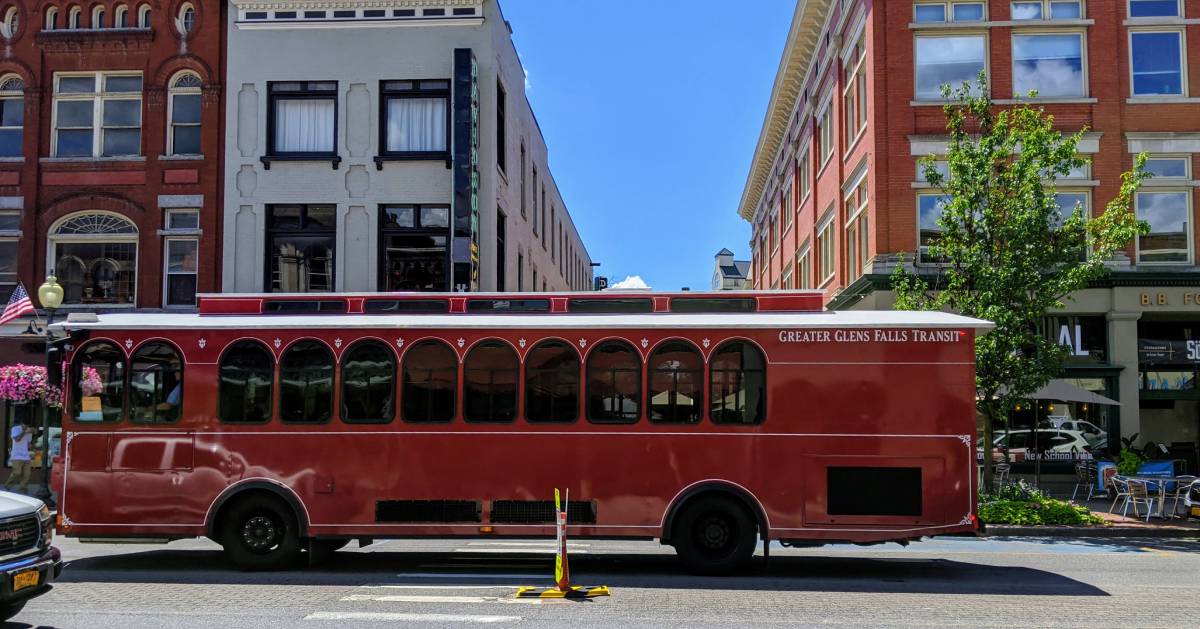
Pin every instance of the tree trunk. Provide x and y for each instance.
(988, 439)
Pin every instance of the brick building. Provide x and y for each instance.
(110, 153)
(836, 201)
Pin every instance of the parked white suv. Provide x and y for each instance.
(28, 563)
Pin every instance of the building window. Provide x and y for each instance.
(10, 225)
(1169, 167)
(774, 242)
(491, 372)
(180, 271)
(303, 118)
(1070, 203)
(109, 362)
(300, 248)
(501, 254)
(1047, 10)
(144, 16)
(121, 17)
(368, 384)
(929, 211)
(95, 257)
(536, 221)
(52, 19)
(12, 116)
(825, 231)
(184, 115)
(1155, 8)
(948, 60)
(676, 384)
(187, 19)
(155, 384)
(738, 384)
(789, 206)
(110, 102)
(98, 17)
(857, 235)
(552, 383)
(244, 380)
(854, 96)
(546, 227)
(803, 273)
(948, 11)
(787, 277)
(942, 167)
(614, 384)
(306, 383)
(12, 23)
(430, 383)
(501, 128)
(1049, 64)
(1156, 60)
(1169, 215)
(803, 175)
(524, 182)
(416, 118)
(825, 133)
(414, 247)
(75, 19)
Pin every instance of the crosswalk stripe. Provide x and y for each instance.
(442, 587)
(539, 551)
(417, 598)
(537, 544)
(467, 575)
(399, 617)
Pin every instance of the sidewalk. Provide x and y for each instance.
(1118, 526)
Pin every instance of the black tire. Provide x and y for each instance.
(714, 535)
(260, 532)
(9, 610)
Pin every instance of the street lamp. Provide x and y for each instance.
(50, 295)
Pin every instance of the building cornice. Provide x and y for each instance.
(802, 42)
(300, 5)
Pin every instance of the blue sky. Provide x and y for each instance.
(651, 110)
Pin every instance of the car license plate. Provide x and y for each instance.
(26, 579)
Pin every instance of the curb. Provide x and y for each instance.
(1166, 532)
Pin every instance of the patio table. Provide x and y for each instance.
(1161, 482)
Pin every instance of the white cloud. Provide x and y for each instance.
(631, 282)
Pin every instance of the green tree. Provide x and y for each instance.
(1009, 254)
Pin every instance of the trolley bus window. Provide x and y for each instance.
(676, 384)
(408, 306)
(508, 305)
(610, 306)
(368, 384)
(306, 306)
(552, 383)
(430, 383)
(713, 304)
(155, 384)
(306, 383)
(247, 372)
(738, 384)
(614, 384)
(98, 381)
(490, 375)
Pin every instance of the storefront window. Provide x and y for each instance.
(415, 241)
(95, 257)
(300, 242)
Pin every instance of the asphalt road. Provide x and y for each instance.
(951, 582)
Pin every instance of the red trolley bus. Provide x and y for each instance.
(278, 423)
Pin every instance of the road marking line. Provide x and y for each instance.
(467, 575)
(537, 544)
(443, 587)
(396, 617)
(414, 598)
(539, 551)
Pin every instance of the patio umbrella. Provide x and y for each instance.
(1063, 391)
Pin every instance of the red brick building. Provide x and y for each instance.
(836, 201)
(110, 152)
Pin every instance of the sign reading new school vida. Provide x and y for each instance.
(871, 336)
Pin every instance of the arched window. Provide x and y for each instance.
(144, 16)
(184, 115)
(75, 19)
(490, 375)
(306, 383)
(97, 255)
(12, 116)
(430, 383)
(552, 383)
(98, 383)
(368, 383)
(121, 17)
(155, 384)
(246, 374)
(12, 21)
(738, 384)
(97, 17)
(614, 384)
(52, 19)
(675, 391)
(186, 19)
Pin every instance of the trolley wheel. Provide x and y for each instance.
(259, 532)
(8, 610)
(714, 535)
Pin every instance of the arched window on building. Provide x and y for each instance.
(430, 383)
(98, 383)
(75, 20)
(12, 22)
(94, 255)
(121, 17)
(306, 383)
(368, 383)
(552, 383)
(52, 19)
(245, 378)
(614, 384)
(185, 21)
(491, 373)
(12, 116)
(738, 384)
(97, 17)
(183, 115)
(144, 16)
(155, 384)
(675, 391)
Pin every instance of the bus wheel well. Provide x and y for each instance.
(247, 491)
(699, 492)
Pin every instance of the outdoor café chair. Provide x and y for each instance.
(1085, 477)
(1001, 476)
(1120, 489)
(1182, 485)
(1139, 494)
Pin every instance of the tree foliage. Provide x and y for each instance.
(1009, 254)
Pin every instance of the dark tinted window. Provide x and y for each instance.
(552, 383)
(305, 307)
(306, 383)
(247, 372)
(368, 383)
(98, 383)
(508, 305)
(738, 384)
(490, 375)
(614, 384)
(711, 304)
(430, 383)
(604, 306)
(412, 306)
(676, 384)
(155, 384)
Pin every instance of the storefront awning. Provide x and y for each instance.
(1063, 391)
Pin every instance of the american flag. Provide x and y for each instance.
(18, 305)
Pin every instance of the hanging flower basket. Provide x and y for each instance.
(28, 383)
